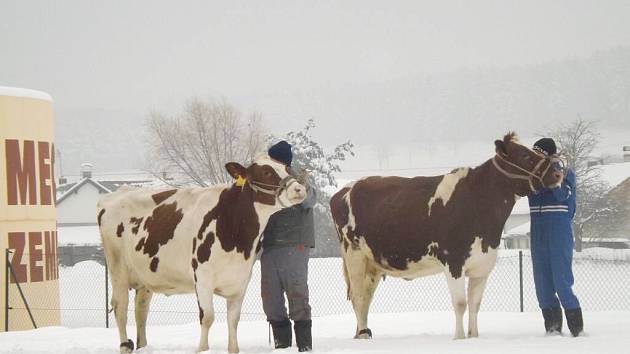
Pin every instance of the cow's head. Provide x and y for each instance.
(529, 170)
(270, 180)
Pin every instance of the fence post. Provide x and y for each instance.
(106, 296)
(6, 290)
(520, 273)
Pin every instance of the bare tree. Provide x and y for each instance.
(576, 142)
(322, 165)
(195, 145)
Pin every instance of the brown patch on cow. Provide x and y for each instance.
(237, 225)
(140, 244)
(264, 174)
(340, 211)
(100, 215)
(194, 264)
(203, 252)
(162, 196)
(391, 215)
(137, 222)
(194, 245)
(120, 229)
(161, 227)
(154, 264)
(200, 315)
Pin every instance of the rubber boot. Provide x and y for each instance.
(282, 336)
(553, 320)
(303, 336)
(574, 321)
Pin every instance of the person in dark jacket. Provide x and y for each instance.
(284, 264)
(552, 212)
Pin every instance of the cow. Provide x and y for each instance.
(201, 240)
(451, 224)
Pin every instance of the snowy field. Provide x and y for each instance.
(426, 332)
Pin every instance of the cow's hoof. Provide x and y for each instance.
(126, 347)
(364, 334)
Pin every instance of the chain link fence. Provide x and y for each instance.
(600, 284)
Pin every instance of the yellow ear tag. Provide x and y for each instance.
(240, 181)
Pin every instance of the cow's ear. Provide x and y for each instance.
(236, 170)
(500, 147)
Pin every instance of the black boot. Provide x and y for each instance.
(574, 321)
(553, 320)
(303, 335)
(282, 336)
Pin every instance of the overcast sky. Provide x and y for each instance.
(132, 56)
(146, 52)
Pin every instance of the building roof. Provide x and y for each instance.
(615, 173)
(102, 186)
(77, 186)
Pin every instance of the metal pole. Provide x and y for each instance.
(6, 290)
(520, 273)
(106, 296)
(28, 308)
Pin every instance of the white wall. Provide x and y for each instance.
(79, 208)
(516, 220)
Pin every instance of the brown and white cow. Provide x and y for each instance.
(451, 224)
(201, 240)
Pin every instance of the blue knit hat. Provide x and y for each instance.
(281, 151)
(546, 145)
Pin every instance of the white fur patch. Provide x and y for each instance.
(446, 187)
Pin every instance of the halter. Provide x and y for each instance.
(276, 189)
(529, 175)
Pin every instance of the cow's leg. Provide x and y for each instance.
(476, 286)
(233, 316)
(120, 303)
(206, 312)
(363, 283)
(457, 288)
(142, 302)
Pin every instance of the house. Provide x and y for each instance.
(517, 237)
(76, 202)
(608, 242)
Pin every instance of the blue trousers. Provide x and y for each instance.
(552, 255)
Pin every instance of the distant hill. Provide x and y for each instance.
(469, 104)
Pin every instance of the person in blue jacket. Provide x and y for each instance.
(552, 212)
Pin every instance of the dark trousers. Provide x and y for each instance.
(552, 254)
(284, 270)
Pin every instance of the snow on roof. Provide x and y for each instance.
(615, 173)
(28, 93)
(78, 185)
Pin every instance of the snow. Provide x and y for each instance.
(615, 173)
(20, 92)
(413, 332)
(78, 235)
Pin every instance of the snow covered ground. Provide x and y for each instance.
(419, 332)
